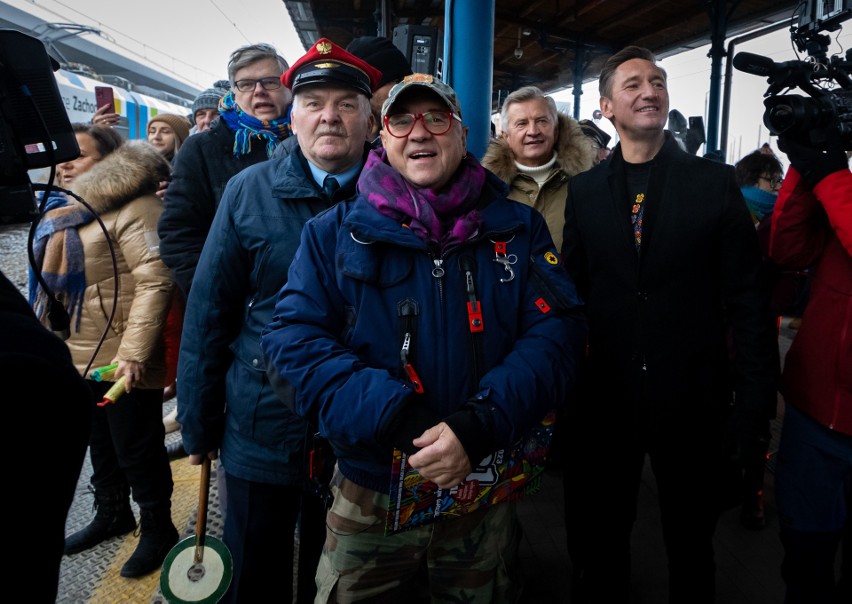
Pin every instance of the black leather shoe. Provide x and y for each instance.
(175, 450)
(114, 518)
(157, 536)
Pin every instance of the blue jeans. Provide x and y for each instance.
(813, 491)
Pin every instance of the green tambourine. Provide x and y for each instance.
(199, 569)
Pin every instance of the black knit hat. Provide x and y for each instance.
(383, 55)
(594, 132)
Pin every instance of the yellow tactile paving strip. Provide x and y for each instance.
(115, 588)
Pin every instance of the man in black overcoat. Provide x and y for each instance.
(666, 258)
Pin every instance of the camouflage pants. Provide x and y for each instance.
(468, 559)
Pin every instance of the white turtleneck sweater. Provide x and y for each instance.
(538, 173)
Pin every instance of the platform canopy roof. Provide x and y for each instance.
(551, 33)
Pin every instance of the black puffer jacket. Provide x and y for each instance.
(202, 168)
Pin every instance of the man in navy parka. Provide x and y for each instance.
(227, 405)
(433, 315)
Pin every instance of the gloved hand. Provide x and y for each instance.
(476, 438)
(814, 164)
(408, 421)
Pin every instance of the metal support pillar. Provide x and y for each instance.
(729, 67)
(719, 26)
(469, 65)
(579, 67)
(383, 17)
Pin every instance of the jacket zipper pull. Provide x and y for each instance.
(474, 307)
(408, 367)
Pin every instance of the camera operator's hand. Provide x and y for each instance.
(814, 164)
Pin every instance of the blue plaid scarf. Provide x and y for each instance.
(246, 127)
(58, 250)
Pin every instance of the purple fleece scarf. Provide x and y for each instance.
(444, 218)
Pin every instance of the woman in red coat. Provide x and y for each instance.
(812, 225)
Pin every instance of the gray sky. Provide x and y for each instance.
(190, 39)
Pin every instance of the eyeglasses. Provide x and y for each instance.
(435, 122)
(266, 83)
(774, 181)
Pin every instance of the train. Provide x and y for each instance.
(135, 108)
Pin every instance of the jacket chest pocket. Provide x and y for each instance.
(375, 264)
(374, 276)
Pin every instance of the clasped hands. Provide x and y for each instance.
(441, 458)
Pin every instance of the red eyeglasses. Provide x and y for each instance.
(400, 125)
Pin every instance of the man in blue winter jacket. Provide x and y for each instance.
(227, 406)
(431, 315)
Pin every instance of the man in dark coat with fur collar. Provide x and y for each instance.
(539, 151)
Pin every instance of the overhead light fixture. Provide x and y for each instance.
(519, 52)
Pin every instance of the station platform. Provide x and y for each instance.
(748, 561)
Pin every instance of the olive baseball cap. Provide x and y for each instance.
(423, 80)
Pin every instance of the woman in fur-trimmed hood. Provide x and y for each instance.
(545, 188)
(120, 188)
(118, 181)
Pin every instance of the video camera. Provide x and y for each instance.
(34, 128)
(827, 115)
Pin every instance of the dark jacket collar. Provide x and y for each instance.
(367, 224)
(670, 150)
(293, 179)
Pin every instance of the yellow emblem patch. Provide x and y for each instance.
(324, 48)
(551, 258)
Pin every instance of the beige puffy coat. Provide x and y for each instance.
(574, 154)
(120, 189)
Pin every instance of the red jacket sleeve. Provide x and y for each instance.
(835, 194)
(171, 335)
(798, 233)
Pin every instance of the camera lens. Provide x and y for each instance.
(780, 118)
(791, 113)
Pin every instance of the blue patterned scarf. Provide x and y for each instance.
(759, 202)
(246, 127)
(58, 250)
(444, 218)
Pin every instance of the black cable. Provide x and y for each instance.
(37, 270)
(57, 314)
